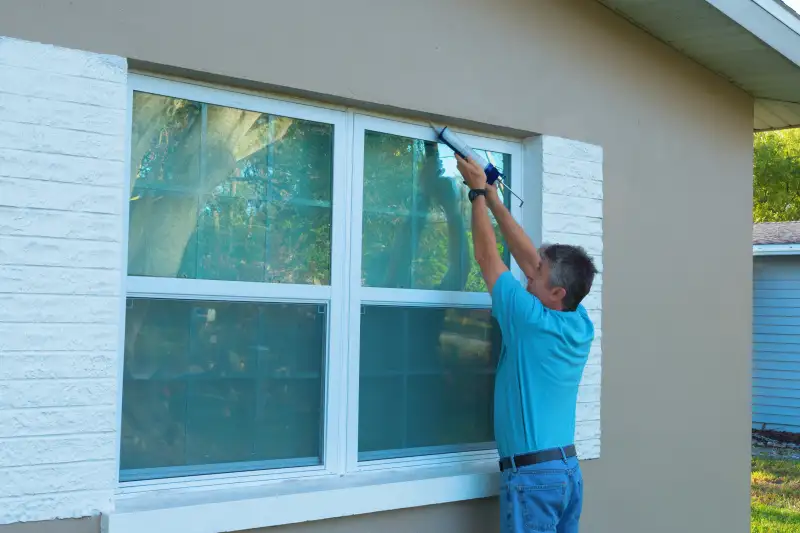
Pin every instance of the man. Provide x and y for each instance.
(546, 339)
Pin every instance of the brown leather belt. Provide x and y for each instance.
(527, 459)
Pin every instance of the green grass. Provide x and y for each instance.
(775, 496)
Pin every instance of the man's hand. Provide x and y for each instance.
(473, 174)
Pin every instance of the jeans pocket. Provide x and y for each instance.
(541, 505)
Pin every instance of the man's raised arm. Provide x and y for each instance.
(483, 239)
(520, 245)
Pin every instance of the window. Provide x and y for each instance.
(301, 298)
(428, 348)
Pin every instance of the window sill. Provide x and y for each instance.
(298, 500)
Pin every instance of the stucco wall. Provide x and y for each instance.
(677, 159)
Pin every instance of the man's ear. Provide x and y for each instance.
(559, 293)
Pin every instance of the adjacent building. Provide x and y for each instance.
(776, 326)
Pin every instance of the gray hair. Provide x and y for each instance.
(571, 268)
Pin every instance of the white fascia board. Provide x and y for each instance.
(767, 20)
(776, 249)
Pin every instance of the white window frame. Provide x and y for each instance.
(340, 466)
(332, 295)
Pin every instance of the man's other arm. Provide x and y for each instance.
(485, 244)
(519, 244)
(512, 306)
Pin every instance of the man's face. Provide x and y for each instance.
(537, 280)
(539, 286)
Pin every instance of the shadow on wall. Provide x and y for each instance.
(474, 515)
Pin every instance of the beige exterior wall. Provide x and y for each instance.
(677, 146)
(79, 525)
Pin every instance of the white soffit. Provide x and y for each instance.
(755, 44)
(775, 114)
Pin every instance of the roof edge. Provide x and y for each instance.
(769, 21)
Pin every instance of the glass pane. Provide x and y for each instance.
(427, 381)
(226, 194)
(416, 220)
(213, 387)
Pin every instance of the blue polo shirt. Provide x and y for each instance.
(540, 368)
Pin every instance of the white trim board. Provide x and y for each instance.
(212, 516)
(776, 249)
(293, 501)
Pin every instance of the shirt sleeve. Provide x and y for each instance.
(512, 306)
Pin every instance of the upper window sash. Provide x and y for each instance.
(370, 293)
(333, 221)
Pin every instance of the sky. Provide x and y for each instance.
(794, 4)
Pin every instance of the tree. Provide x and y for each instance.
(776, 176)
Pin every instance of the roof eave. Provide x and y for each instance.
(754, 44)
(772, 22)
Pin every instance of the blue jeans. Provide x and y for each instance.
(542, 498)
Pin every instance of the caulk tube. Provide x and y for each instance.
(461, 148)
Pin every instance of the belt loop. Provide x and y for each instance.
(563, 455)
(513, 464)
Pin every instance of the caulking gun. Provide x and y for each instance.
(461, 148)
